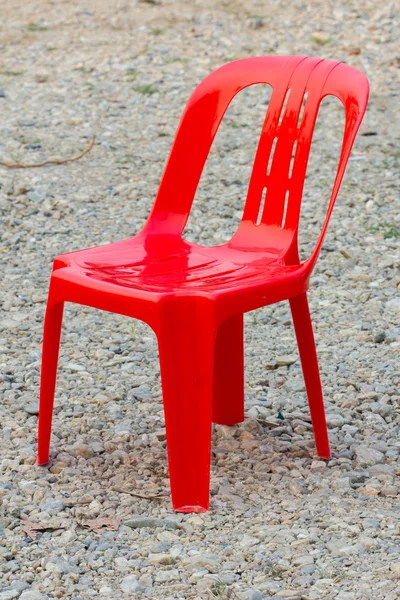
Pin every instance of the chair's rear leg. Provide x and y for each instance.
(309, 361)
(228, 392)
(186, 345)
(51, 345)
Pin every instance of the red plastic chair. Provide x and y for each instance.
(194, 297)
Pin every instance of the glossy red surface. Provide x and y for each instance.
(194, 297)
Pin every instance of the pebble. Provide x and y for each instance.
(80, 451)
(379, 337)
(292, 594)
(395, 568)
(282, 361)
(35, 196)
(53, 507)
(59, 565)
(130, 585)
(209, 562)
(343, 547)
(32, 409)
(147, 522)
(8, 594)
(367, 456)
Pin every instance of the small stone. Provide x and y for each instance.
(226, 431)
(146, 580)
(32, 408)
(255, 595)
(342, 547)
(80, 451)
(20, 586)
(256, 23)
(53, 507)
(168, 575)
(342, 484)
(367, 455)
(333, 420)
(2, 93)
(321, 38)
(41, 77)
(97, 447)
(130, 584)
(308, 569)
(270, 365)
(379, 337)
(161, 434)
(303, 560)
(36, 196)
(295, 488)
(30, 595)
(202, 561)
(371, 524)
(282, 361)
(59, 565)
(289, 594)
(195, 521)
(395, 568)
(317, 466)
(58, 467)
(8, 324)
(9, 594)
(393, 305)
(271, 586)
(143, 522)
(228, 577)
(162, 559)
(74, 367)
(21, 189)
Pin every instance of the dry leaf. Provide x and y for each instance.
(31, 528)
(101, 524)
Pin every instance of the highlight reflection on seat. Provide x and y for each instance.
(187, 269)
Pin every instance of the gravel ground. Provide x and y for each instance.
(282, 523)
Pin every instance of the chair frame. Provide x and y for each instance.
(199, 323)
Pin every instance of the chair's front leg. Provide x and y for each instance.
(228, 393)
(309, 362)
(51, 345)
(186, 339)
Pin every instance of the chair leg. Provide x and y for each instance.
(228, 392)
(309, 361)
(51, 344)
(186, 342)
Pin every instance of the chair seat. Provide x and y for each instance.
(172, 265)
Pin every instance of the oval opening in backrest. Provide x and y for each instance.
(321, 170)
(221, 194)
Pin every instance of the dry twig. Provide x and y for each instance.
(50, 161)
(155, 497)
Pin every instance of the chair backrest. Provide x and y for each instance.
(299, 84)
